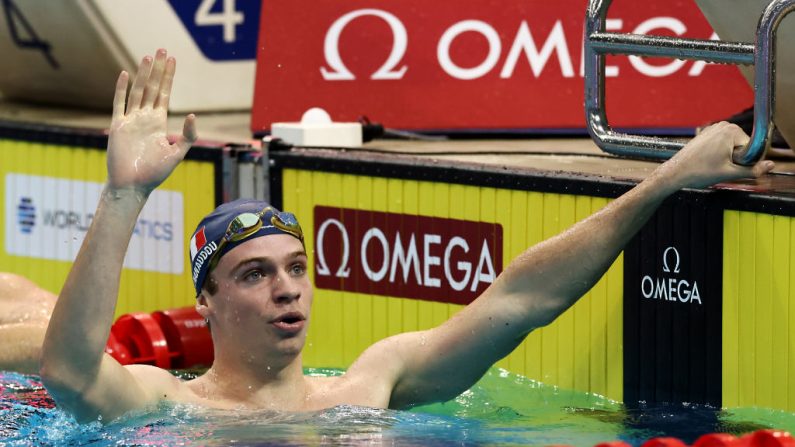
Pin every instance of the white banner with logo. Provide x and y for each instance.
(47, 218)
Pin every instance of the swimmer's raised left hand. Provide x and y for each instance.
(140, 156)
(707, 159)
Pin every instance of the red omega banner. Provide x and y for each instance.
(479, 65)
(427, 258)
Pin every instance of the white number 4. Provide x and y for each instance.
(229, 17)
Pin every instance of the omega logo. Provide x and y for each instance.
(322, 268)
(665, 260)
(339, 72)
(537, 50)
(670, 289)
(414, 258)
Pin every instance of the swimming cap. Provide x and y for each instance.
(211, 231)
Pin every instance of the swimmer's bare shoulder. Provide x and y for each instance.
(374, 378)
(318, 393)
(159, 384)
(352, 388)
(363, 384)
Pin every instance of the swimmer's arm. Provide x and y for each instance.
(78, 374)
(541, 283)
(82, 379)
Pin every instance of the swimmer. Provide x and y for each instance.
(251, 281)
(25, 312)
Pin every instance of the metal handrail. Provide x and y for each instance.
(762, 55)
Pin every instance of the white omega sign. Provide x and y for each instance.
(401, 257)
(538, 50)
(670, 288)
(331, 47)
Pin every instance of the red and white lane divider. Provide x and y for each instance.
(761, 438)
(172, 339)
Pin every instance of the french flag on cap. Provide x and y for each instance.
(197, 242)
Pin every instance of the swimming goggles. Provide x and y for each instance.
(247, 224)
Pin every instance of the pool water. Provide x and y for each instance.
(502, 409)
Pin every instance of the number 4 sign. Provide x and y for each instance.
(23, 35)
(222, 29)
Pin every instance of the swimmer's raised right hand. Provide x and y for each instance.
(140, 156)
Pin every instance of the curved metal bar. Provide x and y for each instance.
(764, 82)
(609, 141)
(598, 43)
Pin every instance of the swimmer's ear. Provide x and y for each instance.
(201, 306)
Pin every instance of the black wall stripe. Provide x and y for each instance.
(672, 344)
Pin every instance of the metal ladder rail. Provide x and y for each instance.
(762, 56)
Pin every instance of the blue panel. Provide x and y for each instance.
(224, 30)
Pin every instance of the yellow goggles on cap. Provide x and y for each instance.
(246, 224)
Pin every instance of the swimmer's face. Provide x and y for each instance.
(264, 294)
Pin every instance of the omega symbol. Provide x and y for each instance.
(339, 72)
(666, 269)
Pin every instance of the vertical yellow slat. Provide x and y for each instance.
(13, 163)
(363, 302)
(598, 360)
(757, 340)
(326, 189)
(395, 306)
(350, 317)
(747, 311)
(565, 322)
(780, 311)
(300, 200)
(790, 340)
(614, 325)
(515, 242)
(426, 207)
(764, 335)
(380, 308)
(411, 203)
(8, 156)
(549, 334)
(582, 318)
(730, 331)
(317, 353)
(441, 205)
(535, 234)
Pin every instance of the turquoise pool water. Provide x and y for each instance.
(502, 409)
